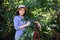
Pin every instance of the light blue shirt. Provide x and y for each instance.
(18, 21)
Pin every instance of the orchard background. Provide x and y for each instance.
(47, 12)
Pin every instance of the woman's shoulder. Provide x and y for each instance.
(17, 17)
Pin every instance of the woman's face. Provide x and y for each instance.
(22, 11)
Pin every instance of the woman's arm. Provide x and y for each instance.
(39, 25)
(23, 26)
(17, 27)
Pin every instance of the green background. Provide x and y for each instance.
(47, 12)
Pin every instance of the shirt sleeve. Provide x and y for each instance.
(16, 26)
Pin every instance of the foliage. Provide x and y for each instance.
(45, 11)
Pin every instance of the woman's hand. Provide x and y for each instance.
(36, 22)
(39, 25)
(25, 25)
(28, 23)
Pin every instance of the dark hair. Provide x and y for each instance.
(17, 12)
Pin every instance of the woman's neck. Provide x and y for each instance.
(21, 16)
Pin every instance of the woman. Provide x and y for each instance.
(19, 24)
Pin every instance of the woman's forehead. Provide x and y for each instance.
(22, 9)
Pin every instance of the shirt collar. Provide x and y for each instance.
(20, 16)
